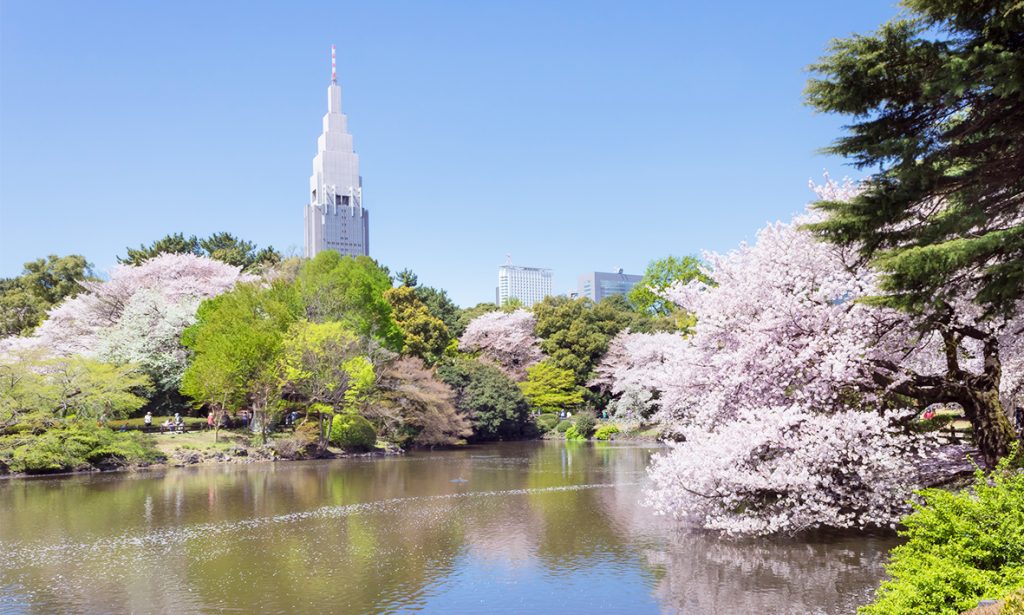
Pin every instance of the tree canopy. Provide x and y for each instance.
(649, 293)
(937, 106)
(350, 290)
(222, 246)
(43, 283)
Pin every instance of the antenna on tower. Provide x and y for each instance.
(334, 65)
(508, 260)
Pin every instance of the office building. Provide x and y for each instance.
(335, 218)
(597, 285)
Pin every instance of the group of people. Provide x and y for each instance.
(173, 423)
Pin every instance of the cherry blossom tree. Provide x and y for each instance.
(790, 363)
(789, 469)
(171, 283)
(137, 316)
(505, 338)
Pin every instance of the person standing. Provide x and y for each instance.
(148, 420)
(209, 420)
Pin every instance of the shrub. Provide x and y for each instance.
(604, 432)
(562, 426)
(572, 434)
(547, 422)
(585, 424)
(351, 432)
(961, 548)
(74, 446)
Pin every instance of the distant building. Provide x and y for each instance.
(597, 285)
(335, 218)
(527, 284)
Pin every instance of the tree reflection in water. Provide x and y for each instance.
(534, 526)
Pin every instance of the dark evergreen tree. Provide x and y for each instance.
(937, 102)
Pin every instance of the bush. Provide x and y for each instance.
(585, 424)
(74, 446)
(961, 548)
(547, 422)
(562, 426)
(572, 434)
(352, 432)
(604, 432)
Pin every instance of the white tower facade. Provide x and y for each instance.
(335, 218)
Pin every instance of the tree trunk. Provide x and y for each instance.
(992, 430)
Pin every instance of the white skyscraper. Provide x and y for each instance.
(335, 218)
(528, 284)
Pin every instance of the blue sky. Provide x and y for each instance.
(571, 135)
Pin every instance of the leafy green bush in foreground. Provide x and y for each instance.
(604, 432)
(962, 547)
(352, 432)
(72, 446)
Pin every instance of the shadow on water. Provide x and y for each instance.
(506, 528)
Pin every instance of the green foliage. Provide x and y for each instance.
(585, 424)
(563, 426)
(442, 308)
(349, 290)
(425, 335)
(936, 107)
(74, 445)
(224, 247)
(40, 390)
(352, 432)
(43, 283)
(604, 432)
(236, 343)
(547, 422)
(573, 434)
(576, 332)
(649, 294)
(485, 394)
(961, 548)
(313, 361)
(550, 388)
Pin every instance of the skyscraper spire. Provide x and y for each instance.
(335, 217)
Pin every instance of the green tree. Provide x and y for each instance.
(350, 290)
(442, 307)
(490, 398)
(936, 100)
(937, 107)
(649, 294)
(222, 246)
(317, 363)
(42, 391)
(236, 344)
(43, 283)
(90, 389)
(549, 388)
(575, 332)
(407, 278)
(425, 336)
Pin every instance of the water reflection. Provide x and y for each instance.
(504, 528)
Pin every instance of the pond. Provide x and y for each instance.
(504, 528)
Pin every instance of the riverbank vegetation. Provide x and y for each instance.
(795, 378)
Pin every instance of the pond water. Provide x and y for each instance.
(534, 527)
